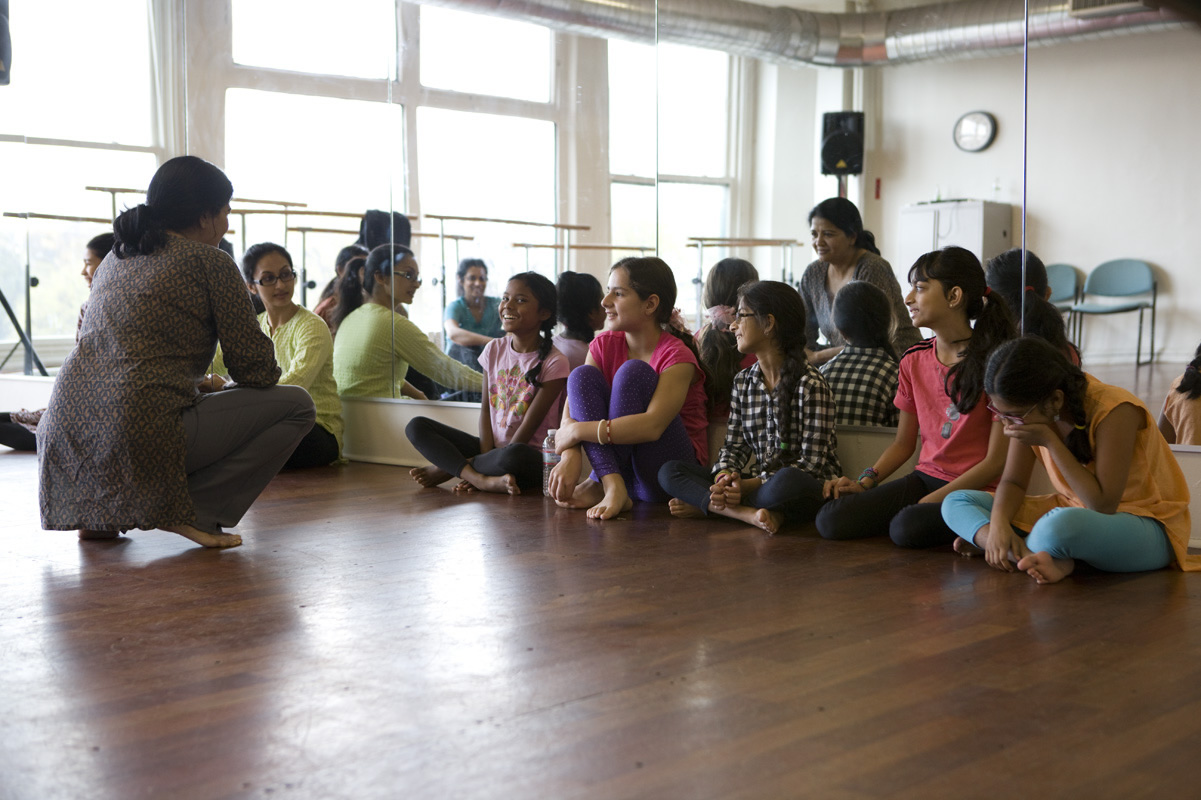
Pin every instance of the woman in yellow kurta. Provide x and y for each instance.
(376, 345)
(303, 348)
(1120, 502)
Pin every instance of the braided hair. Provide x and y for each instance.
(1027, 371)
(648, 276)
(955, 266)
(784, 303)
(1190, 382)
(546, 295)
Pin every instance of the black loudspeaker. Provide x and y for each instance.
(842, 143)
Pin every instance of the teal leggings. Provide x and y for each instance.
(1112, 542)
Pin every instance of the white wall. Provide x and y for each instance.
(1112, 150)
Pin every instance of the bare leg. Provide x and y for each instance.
(586, 494)
(499, 484)
(1045, 568)
(770, 521)
(86, 534)
(616, 499)
(679, 508)
(206, 539)
(430, 476)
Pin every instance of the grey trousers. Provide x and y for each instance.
(237, 441)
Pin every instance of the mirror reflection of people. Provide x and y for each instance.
(376, 345)
(1121, 503)
(1180, 420)
(1026, 297)
(472, 320)
(845, 253)
(128, 440)
(580, 311)
(304, 350)
(328, 302)
(18, 429)
(863, 376)
(716, 342)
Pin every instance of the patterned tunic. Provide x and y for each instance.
(864, 383)
(819, 306)
(754, 427)
(112, 442)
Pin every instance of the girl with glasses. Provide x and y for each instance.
(781, 413)
(940, 393)
(375, 344)
(303, 349)
(1120, 500)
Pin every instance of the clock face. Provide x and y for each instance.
(975, 131)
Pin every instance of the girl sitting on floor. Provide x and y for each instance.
(637, 403)
(1120, 501)
(1180, 420)
(863, 376)
(716, 344)
(581, 314)
(941, 394)
(523, 377)
(781, 412)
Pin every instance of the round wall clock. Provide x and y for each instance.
(975, 131)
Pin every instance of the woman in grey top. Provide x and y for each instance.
(845, 253)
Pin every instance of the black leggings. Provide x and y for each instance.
(318, 448)
(791, 491)
(891, 508)
(18, 437)
(450, 449)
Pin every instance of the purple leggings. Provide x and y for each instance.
(634, 384)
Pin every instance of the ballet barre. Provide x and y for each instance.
(701, 242)
(113, 191)
(642, 250)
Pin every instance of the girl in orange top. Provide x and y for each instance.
(1120, 502)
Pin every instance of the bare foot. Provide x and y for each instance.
(769, 521)
(965, 548)
(1045, 568)
(586, 495)
(463, 487)
(206, 539)
(679, 508)
(497, 484)
(86, 534)
(611, 505)
(430, 476)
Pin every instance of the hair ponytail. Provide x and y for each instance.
(956, 267)
(137, 231)
(182, 191)
(350, 290)
(1027, 371)
(1190, 382)
(546, 295)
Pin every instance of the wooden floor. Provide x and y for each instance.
(373, 640)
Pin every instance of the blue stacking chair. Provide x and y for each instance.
(1064, 282)
(1122, 277)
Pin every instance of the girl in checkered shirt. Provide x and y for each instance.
(781, 414)
(941, 396)
(863, 376)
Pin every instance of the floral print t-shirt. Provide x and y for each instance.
(509, 394)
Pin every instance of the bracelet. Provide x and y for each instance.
(598, 432)
(608, 431)
(869, 474)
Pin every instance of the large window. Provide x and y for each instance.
(477, 54)
(354, 38)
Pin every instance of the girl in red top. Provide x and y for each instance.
(638, 401)
(940, 393)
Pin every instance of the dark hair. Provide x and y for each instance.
(101, 244)
(580, 294)
(1190, 382)
(784, 303)
(461, 272)
(545, 293)
(955, 266)
(717, 344)
(378, 267)
(649, 275)
(254, 253)
(1027, 371)
(863, 315)
(183, 190)
(842, 214)
(1003, 274)
(345, 256)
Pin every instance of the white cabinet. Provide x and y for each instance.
(977, 225)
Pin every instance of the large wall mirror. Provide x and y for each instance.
(553, 136)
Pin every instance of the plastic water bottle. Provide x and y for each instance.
(549, 459)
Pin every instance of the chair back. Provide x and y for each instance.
(1064, 282)
(1121, 277)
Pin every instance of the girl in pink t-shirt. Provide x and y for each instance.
(524, 375)
(940, 394)
(638, 401)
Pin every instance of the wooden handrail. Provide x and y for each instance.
(560, 225)
(422, 234)
(64, 218)
(116, 190)
(718, 240)
(305, 213)
(537, 246)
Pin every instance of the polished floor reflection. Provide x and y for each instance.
(375, 640)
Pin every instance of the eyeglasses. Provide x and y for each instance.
(744, 314)
(409, 276)
(287, 276)
(1012, 419)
